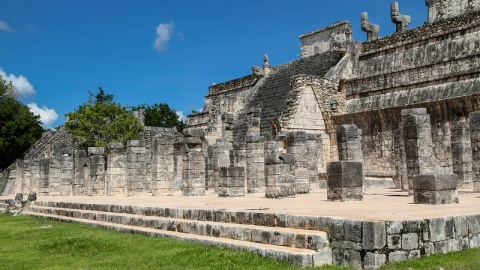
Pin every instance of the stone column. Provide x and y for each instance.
(255, 163)
(221, 159)
(68, 172)
(349, 141)
(345, 181)
(178, 151)
(231, 182)
(209, 171)
(280, 179)
(417, 138)
(255, 172)
(81, 173)
(116, 169)
(35, 171)
(475, 140)
(400, 178)
(44, 174)
(462, 154)
(163, 165)
(240, 159)
(314, 158)
(54, 176)
(96, 157)
(435, 189)
(193, 163)
(137, 175)
(345, 177)
(297, 147)
(27, 176)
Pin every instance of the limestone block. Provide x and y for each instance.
(96, 151)
(410, 241)
(374, 235)
(441, 229)
(345, 181)
(322, 257)
(353, 230)
(473, 224)
(398, 256)
(280, 181)
(349, 142)
(232, 182)
(461, 226)
(374, 260)
(194, 132)
(435, 189)
(394, 241)
(395, 227)
(474, 121)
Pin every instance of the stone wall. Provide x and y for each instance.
(334, 37)
(440, 9)
(55, 169)
(435, 66)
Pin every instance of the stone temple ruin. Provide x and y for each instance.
(290, 120)
(402, 111)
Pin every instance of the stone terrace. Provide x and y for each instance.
(385, 227)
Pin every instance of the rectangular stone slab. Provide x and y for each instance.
(435, 182)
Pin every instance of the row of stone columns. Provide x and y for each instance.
(428, 186)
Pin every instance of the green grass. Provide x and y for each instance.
(35, 243)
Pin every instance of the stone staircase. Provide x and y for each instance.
(261, 233)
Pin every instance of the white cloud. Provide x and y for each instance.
(164, 34)
(47, 116)
(5, 27)
(181, 116)
(21, 83)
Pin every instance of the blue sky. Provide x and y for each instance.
(156, 51)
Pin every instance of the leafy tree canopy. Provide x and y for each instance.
(19, 128)
(161, 115)
(101, 120)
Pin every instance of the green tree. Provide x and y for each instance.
(19, 128)
(101, 120)
(161, 115)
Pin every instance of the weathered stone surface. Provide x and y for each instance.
(435, 189)
(279, 173)
(232, 182)
(374, 260)
(349, 140)
(345, 181)
(374, 235)
(441, 10)
(297, 147)
(475, 141)
(193, 173)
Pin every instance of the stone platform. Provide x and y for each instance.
(307, 230)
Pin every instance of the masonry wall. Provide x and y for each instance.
(116, 170)
(436, 67)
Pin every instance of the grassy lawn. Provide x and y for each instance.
(35, 243)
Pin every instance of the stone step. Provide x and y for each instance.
(249, 217)
(297, 256)
(288, 237)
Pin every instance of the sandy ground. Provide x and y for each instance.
(378, 204)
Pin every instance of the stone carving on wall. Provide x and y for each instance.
(401, 21)
(371, 29)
